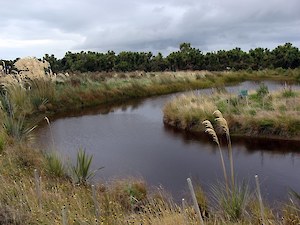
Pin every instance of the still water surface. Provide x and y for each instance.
(131, 140)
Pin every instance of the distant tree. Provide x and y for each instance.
(257, 58)
(158, 63)
(174, 60)
(211, 61)
(238, 59)
(109, 61)
(186, 58)
(286, 56)
(54, 63)
(224, 61)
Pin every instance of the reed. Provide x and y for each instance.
(223, 124)
(232, 201)
(211, 131)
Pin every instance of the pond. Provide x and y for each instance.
(131, 140)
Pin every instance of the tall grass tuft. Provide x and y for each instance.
(211, 131)
(232, 201)
(17, 128)
(82, 171)
(291, 212)
(54, 165)
(15, 100)
(223, 124)
(42, 90)
(15, 106)
(202, 200)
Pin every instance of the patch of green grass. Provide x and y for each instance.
(289, 93)
(54, 165)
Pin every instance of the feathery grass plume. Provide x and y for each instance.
(223, 124)
(211, 131)
(221, 121)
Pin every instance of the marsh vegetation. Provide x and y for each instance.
(260, 113)
(53, 196)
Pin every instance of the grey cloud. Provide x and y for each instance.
(147, 25)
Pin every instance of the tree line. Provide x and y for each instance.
(187, 58)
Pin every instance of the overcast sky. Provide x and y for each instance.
(36, 27)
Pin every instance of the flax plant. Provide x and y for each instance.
(82, 171)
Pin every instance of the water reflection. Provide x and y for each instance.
(130, 140)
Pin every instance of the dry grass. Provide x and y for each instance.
(188, 111)
(122, 201)
(126, 201)
(278, 114)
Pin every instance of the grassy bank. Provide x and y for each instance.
(261, 113)
(127, 201)
(59, 198)
(90, 89)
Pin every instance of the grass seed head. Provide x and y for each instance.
(221, 121)
(210, 130)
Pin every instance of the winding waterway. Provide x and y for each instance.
(131, 140)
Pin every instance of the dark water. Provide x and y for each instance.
(131, 140)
